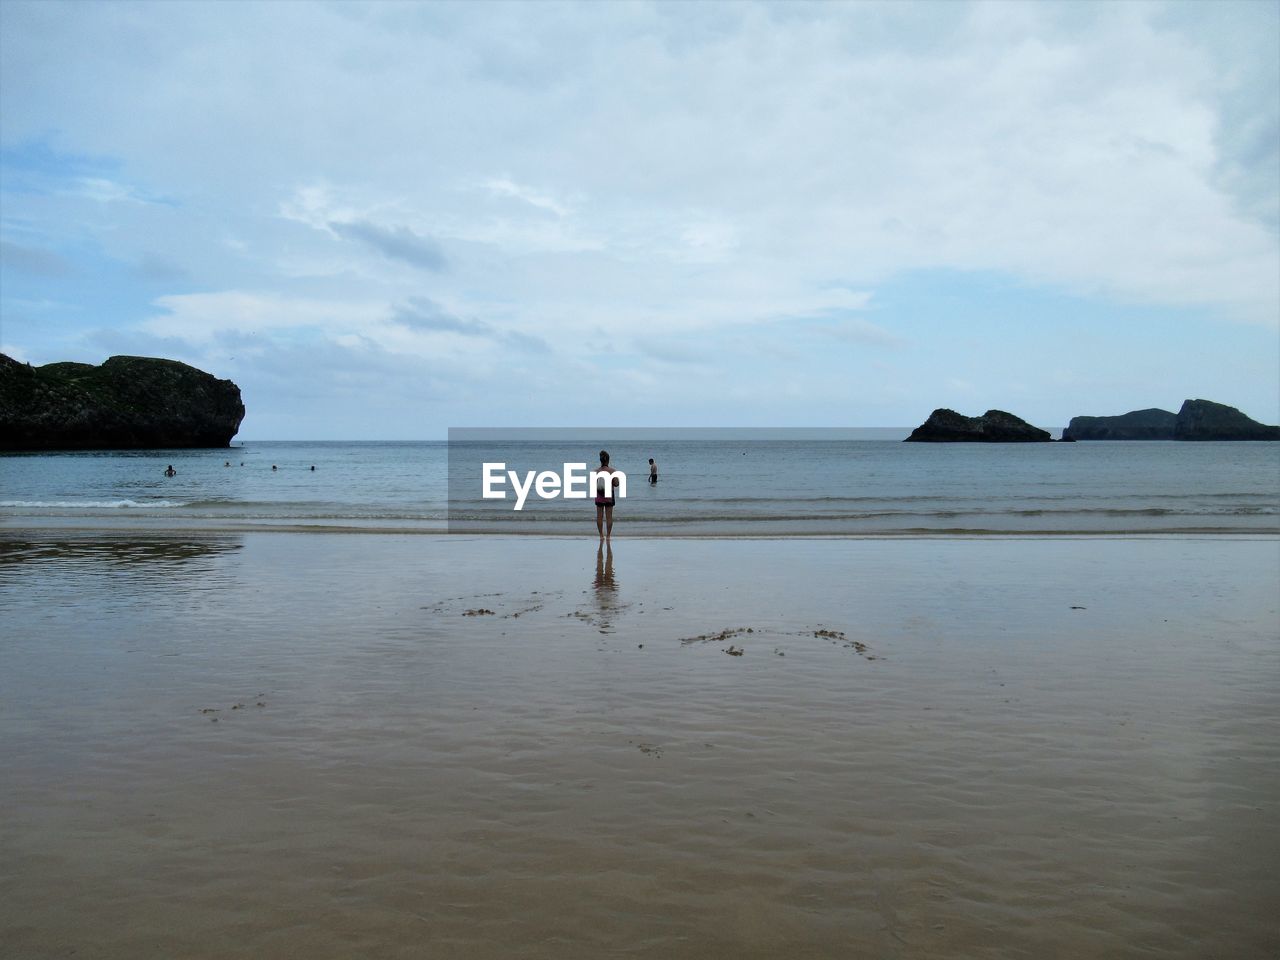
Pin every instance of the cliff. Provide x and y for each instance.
(126, 403)
(1206, 420)
(1150, 424)
(994, 426)
(1197, 420)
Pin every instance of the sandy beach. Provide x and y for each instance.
(312, 745)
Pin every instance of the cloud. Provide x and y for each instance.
(669, 351)
(853, 330)
(33, 260)
(1121, 151)
(1243, 97)
(204, 317)
(828, 302)
(15, 352)
(422, 314)
(154, 267)
(139, 343)
(103, 190)
(708, 241)
(398, 243)
(629, 180)
(525, 342)
(503, 187)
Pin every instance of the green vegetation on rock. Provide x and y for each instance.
(126, 403)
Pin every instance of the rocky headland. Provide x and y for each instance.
(1197, 420)
(1151, 424)
(1206, 420)
(994, 426)
(126, 403)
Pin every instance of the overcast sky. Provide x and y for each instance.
(385, 220)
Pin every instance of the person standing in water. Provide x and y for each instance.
(605, 498)
(653, 471)
(170, 472)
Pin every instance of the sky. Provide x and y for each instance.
(385, 220)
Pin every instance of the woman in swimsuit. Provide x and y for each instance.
(605, 499)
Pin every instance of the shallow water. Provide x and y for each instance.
(1039, 748)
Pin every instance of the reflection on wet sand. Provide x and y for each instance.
(131, 552)
(606, 585)
(606, 589)
(39, 562)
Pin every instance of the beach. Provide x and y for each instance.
(273, 744)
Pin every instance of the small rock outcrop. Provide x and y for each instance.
(1206, 420)
(1150, 424)
(127, 403)
(994, 426)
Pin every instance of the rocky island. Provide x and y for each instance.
(1197, 420)
(126, 403)
(994, 426)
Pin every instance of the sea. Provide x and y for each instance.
(735, 483)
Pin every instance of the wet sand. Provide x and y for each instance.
(316, 745)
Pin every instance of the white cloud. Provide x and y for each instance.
(202, 317)
(707, 241)
(502, 187)
(107, 191)
(631, 175)
(1081, 147)
(15, 352)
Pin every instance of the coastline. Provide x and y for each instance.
(170, 527)
(929, 746)
(773, 489)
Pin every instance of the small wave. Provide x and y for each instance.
(93, 504)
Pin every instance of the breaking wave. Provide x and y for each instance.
(93, 504)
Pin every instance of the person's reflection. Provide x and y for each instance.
(606, 586)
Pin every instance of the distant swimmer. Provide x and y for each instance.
(227, 464)
(313, 468)
(170, 472)
(273, 466)
(653, 471)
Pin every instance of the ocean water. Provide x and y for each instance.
(732, 486)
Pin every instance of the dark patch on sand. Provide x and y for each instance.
(838, 638)
(725, 634)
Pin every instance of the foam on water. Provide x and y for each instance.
(93, 504)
